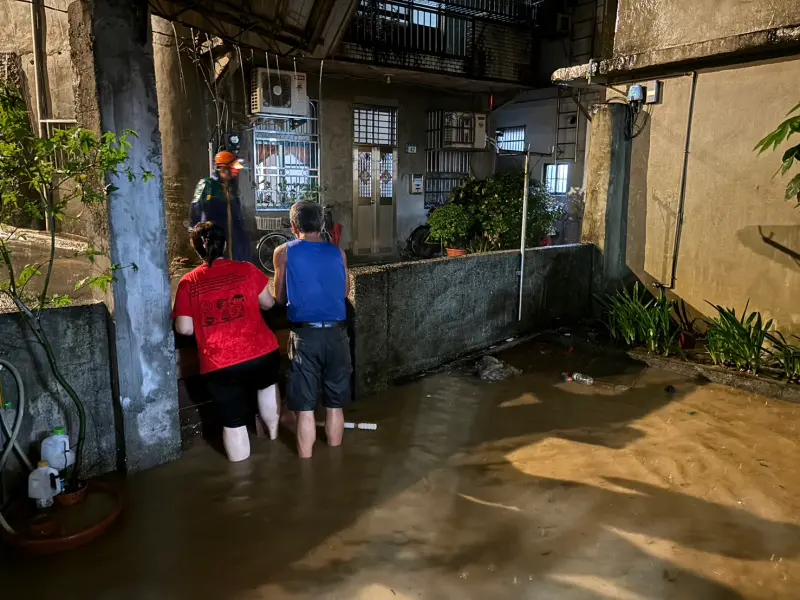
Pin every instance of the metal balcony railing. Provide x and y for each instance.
(479, 39)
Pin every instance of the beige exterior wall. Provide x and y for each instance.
(731, 198)
(644, 25)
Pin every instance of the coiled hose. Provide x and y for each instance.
(14, 431)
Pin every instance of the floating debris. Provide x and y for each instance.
(490, 368)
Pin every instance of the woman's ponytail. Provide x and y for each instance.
(208, 240)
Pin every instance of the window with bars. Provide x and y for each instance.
(286, 161)
(511, 139)
(556, 178)
(375, 126)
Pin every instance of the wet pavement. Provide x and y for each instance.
(529, 488)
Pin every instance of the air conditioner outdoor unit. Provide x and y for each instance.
(278, 93)
(464, 130)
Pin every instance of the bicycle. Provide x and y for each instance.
(280, 232)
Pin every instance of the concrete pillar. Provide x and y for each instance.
(112, 57)
(608, 177)
(184, 127)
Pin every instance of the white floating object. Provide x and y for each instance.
(348, 425)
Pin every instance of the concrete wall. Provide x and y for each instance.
(16, 35)
(740, 238)
(79, 337)
(409, 317)
(644, 25)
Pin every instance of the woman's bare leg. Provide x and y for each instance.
(269, 407)
(236, 442)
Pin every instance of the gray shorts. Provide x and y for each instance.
(320, 361)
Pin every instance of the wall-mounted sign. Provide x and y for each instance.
(416, 183)
(411, 149)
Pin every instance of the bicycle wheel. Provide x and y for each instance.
(266, 246)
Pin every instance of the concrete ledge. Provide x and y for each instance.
(767, 43)
(410, 317)
(743, 381)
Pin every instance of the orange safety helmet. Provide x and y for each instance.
(228, 159)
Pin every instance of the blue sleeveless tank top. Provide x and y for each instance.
(315, 282)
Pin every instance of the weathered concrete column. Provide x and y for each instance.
(184, 129)
(605, 218)
(110, 43)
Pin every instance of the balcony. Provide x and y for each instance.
(490, 40)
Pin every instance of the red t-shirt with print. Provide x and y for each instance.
(223, 302)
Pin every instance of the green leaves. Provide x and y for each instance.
(737, 341)
(451, 224)
(775, 138)
(637, 318)
(496, 204)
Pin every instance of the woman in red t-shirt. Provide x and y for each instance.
(220, 302)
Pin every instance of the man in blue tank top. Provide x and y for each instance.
(311, 279)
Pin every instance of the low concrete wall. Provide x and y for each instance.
(79, 337)
(409, 317)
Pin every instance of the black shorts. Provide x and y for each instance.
(234, 389)
(320, 361)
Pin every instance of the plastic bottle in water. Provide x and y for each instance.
(43, 484)
(55, 449)
(582, 379)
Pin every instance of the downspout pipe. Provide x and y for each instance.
(682, 198)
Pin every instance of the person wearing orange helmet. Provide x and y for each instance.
(216, 199)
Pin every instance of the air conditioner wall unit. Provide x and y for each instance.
(278, 93)
(457, 130)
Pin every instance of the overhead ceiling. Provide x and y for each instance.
(311, 28)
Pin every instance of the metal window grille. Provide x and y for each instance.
(511, 139)
(445, 170)
(556, 178)
(375, 126)
(48, 129)
(286, 160)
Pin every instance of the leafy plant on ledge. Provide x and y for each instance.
(774, 139)
(39, 177)
(635, 317)
(738, 342)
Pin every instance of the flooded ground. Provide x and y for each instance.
(530, 488)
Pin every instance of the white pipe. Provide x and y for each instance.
(524, 229)
(12, 440)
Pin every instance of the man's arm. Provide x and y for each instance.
(279, 262)
(346, 275)
(198, 204)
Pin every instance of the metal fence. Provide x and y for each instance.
(481, 39)
(286, 160)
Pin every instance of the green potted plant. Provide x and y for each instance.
(451, 225)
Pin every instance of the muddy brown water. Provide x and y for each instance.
(530, 488)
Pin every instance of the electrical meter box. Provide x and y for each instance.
(653, 92)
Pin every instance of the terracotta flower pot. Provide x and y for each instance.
(455, 252)
(72, 498)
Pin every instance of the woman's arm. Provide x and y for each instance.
(265, 299)
(184, 325)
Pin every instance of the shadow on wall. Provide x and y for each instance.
(778, 243)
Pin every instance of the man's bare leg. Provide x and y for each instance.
(269, 407)
(306, 433)
(334, 426)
